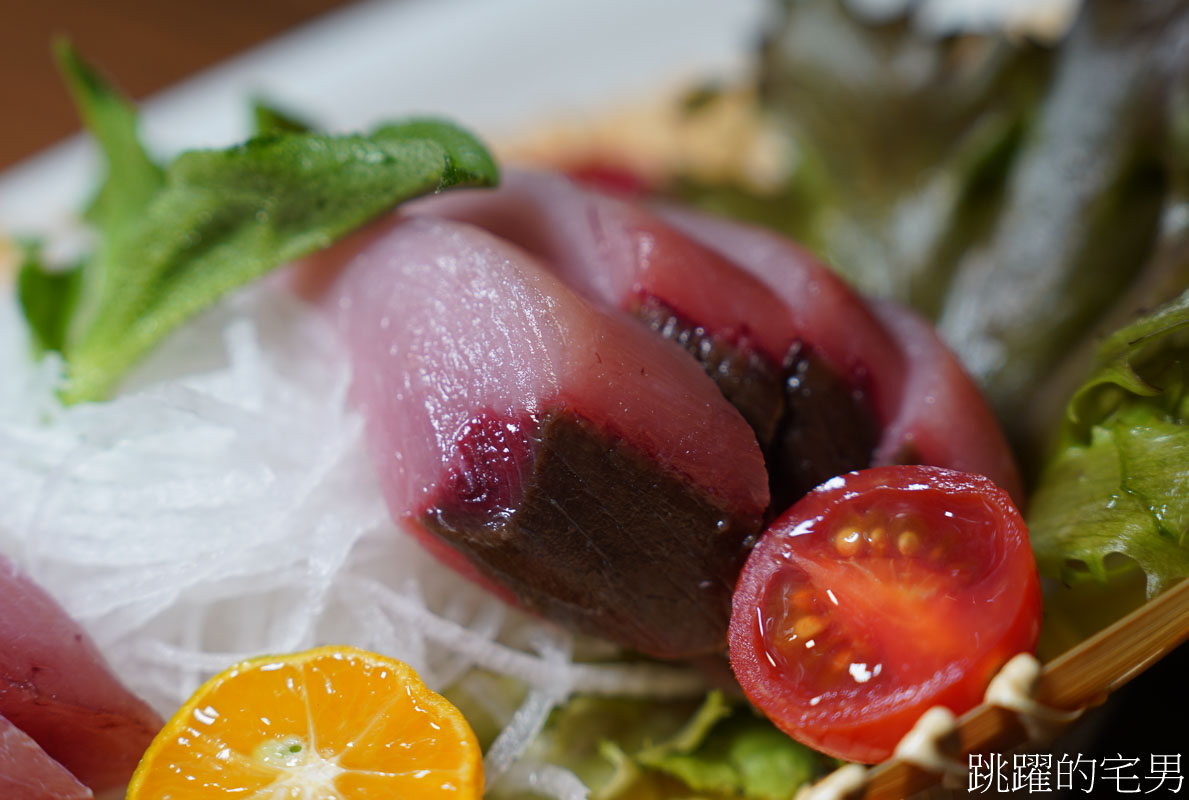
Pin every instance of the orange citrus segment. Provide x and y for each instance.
(335, 723)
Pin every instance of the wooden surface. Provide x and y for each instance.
(144, 45)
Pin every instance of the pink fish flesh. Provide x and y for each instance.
(807, 360)
(930, 410)
(567, 455)
(944, 419)
(56, 687)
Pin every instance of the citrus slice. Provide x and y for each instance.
(334, 723)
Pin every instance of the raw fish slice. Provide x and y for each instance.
(56, 687)
(944, 419)
(825, 311)
(27, 773)
(619, 254)
(795, 363)
(931, 411)
(586, 466)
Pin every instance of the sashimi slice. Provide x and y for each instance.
(619, 253)
(27, 773)
(56, 687)
(589, 468)
(944, 419)
(796, 363)
(833, 317)
(930, 410)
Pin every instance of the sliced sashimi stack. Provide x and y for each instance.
(761, 348)
(593, 407)
(828, 381)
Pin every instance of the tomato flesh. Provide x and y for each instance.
(877, 596)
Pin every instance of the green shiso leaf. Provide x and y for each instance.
(132, 178)
(174, 242)
(1119, 483)
(267, 118)
(47, 297)
(227, 217)
(467, 162)
(130, 182)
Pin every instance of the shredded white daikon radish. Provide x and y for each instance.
(223, 506)
(529, 720)
(529, 777)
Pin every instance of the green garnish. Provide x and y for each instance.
(132, 179)
(267, 118)
(48, 298)
(1011, 191)
(1119, 483)
(174, 242)
(653, 748)
(732, 751)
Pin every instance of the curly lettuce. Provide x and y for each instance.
(1118, 485)
(653, 750)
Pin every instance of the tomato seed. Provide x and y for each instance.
(809, 626)
(908, 543)
(803, 600)
(878, 538)
(848, 542)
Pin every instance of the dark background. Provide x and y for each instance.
(144, 45)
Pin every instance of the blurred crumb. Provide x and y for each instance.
(10, 257)
(1042, 20)
(715, 135)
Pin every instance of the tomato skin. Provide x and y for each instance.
(923, 573)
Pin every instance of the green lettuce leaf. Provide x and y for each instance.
(175, 241)
(937, 183)
(1118, 485)
(652, 750)
(734, 752)
(597, 737)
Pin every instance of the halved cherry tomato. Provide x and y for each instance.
(878, 595)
